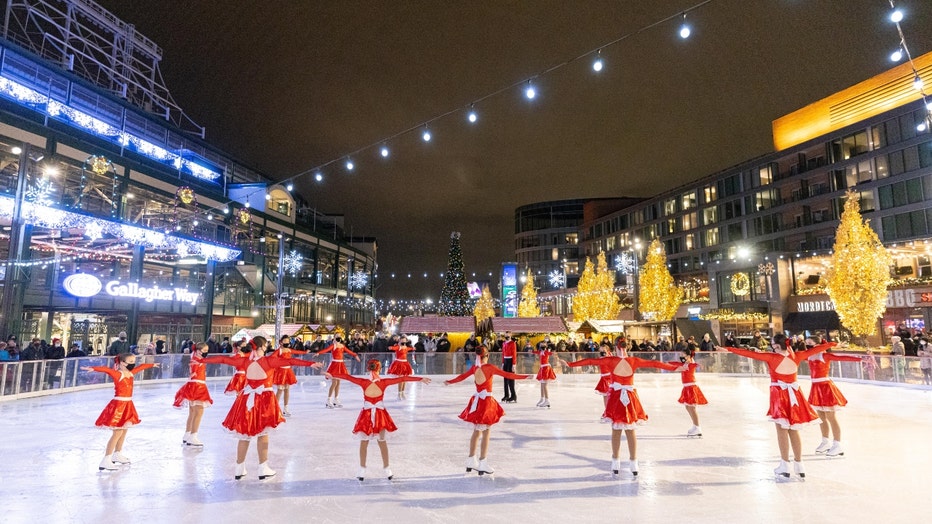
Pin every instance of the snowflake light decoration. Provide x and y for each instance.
(182, 250)
(557, 278)
(40, 192)
(624, 263)
(358, 280)
(293, 262)
(94, 231)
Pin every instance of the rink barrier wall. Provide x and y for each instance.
(24, 379)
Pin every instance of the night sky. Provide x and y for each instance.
(286, 86)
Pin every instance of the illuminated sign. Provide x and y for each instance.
(808, 306)
(509, 290)
(84, 285)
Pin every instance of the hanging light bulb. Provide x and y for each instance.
(426, 135)
(917, 82)
(922, 126)
(349, 165)
(384, 152)
(897, 55)
(318, 177)
(896, 16)
(290, 187)
(684, 29)
(597, 64)
(530, 92)
(471, 115)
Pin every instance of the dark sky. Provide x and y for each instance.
(285, 86)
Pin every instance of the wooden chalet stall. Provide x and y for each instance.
(533, 328)
(457, 329)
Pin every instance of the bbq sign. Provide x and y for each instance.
(84, 285)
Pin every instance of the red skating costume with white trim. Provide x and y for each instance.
(238, 380)
(691, 395)
(788, 405)
(120, 412)
(605, 372)
(545, 373)
(284, 376)
(194, 392)
(400, 365)
(624, 409)
(255, 410)
(823, 395)
(336, 366)
(374, 418)
(483, 410)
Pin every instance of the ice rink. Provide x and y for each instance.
(551, 465)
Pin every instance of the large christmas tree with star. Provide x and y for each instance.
(454, 299)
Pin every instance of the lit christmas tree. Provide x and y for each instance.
(595, 294)
(528, 306)
(659, 297)
(860, 272)
(485, 308)
(454, 299)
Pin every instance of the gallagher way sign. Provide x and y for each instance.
(83, 285)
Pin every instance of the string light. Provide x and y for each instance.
(319, 177)
(896, 16)
(349, 165)
(897, 55)
(290, 187)
(597, 64)
(383, 152)
(917, 82)
(471, 115)
(426, 136)
(685, 31)
(530, 92)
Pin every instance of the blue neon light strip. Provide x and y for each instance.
(32, 99)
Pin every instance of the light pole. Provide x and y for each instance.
(628, 263)
(767, 271)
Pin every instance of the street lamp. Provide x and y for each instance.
(767, 271)
(627, 263)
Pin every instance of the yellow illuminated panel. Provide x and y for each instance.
(871, 97)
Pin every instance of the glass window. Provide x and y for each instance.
(688, 200)
(897, 163)
(917, 221)
(690, 241)
(711, 237)
(765, 176)
(925, 154)
(689, 221)
(914, 190)
(710, 215)
(878, 137)
(885, 195)
(867, 201)
(903, 227)
(882, 170)
(669, 207)
(892, 130)
(854, 145)
(709, 192)
(911, 158)
(889, 228)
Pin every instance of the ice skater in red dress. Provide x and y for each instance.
(238, 380)
(336, 367)
(255, 411)
(283, 378)
(789, 409)
(482, 411)
(120, 413)
(826, 399)
(195, 395)
(400, 366)
(545, 374)
(374, 422)
(624, 409)
(691, 396)
(605, 365)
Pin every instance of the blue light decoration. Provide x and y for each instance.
(45, 104)
(510, 290)
(94, 228)
(358, 280)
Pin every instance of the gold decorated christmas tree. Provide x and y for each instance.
(528, 305)
(658, 297)
(860, 272)
(484, 307)
(595, 294)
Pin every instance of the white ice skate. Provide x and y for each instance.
(616, 466)
(265, 471)
(285, 412)
(633, 466)
(484, 468)
(694, 431)
(119, 458)
(540, 402)
(824, 446)
(240, 470)
(107, 465)
(799, 469)
(337, 403)
(545, 403)
(388, 473)
(194, 441)
(361, 474)
(835, 450)
(471, 464)
(330, 404)
(783, 470)
(184, 439)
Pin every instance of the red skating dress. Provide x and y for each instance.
(373, 419)
(483, 411)
(545, 373)
(194, 392)
(400, 365)
(691, 395)
(120, 413)
(788, 406)
(337, 367)
(605, 372)
(284, 376)
(255, 410)
(823, 395)
(238, 380)
(624, 410)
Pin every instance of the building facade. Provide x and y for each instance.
(117, 216)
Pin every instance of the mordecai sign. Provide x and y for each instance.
(85, 285)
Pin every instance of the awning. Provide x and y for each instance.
(695, 328)
(437, 325)
(811, 321)
(522, 325)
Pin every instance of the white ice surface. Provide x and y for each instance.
(551, 465)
